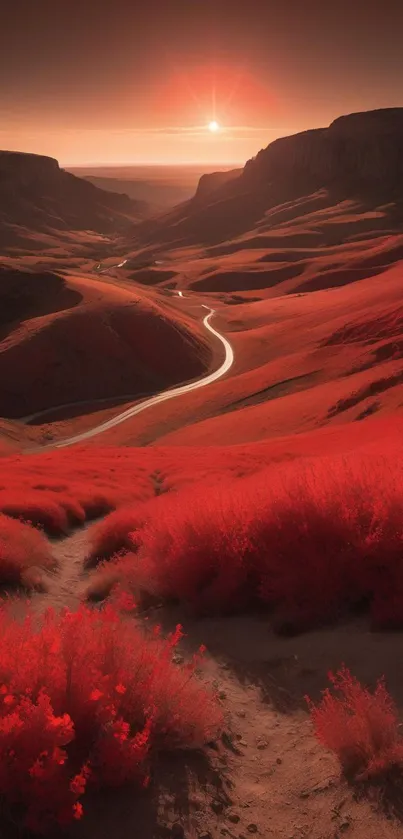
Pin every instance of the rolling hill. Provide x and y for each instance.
(70, 339)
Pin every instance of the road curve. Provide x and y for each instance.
(109, 267)
(160, 397)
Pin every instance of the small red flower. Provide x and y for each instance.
(95, 695)
(78, 810)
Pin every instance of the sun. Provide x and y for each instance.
(213, 126)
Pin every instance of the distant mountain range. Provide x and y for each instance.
(358, 156)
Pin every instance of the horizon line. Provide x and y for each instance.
(151, 163)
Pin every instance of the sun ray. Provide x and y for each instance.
(214, 98)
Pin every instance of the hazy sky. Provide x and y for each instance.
(121, 81)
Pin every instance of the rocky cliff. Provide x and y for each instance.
(359, 150)
(208, 184)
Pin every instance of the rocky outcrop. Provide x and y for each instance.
(26, 169)
(208, 184)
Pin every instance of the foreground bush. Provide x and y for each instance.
(360, 727)
(23, 552)
(309, 542)
(86, 700)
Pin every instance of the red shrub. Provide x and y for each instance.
(117, 572)
(362, 728)
(86, 697)
(309, 541)
(111, 535)
(117, 532)
(21, 548)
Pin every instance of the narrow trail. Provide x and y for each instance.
(65, 585)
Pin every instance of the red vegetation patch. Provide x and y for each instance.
(52, 512)
(309, 541)
(86, 699)
(60, 489)
(23, 552)
(63, 487)
(360, 727)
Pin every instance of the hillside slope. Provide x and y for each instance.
(36, 196)
(302, 362)
(98, 342)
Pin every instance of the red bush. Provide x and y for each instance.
(87, 698)
(117, 572)
(22, 548)
(113, 534)
(360, 727)
(309, 541)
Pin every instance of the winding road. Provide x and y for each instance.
(159, 397)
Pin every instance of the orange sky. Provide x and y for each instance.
(123, 82)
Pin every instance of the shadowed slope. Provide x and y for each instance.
(115, 343)
(36, 196)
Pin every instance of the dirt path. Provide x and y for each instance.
(268, 776)
(65, 585)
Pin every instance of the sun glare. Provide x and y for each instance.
(213, 126)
